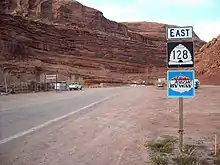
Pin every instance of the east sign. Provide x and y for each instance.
(179, 32)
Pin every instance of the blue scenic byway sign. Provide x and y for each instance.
(180, 83)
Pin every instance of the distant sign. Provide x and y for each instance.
(51, 77)
(180, 54)
(179, 32)
(180, 83)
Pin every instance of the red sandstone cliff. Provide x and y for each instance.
(208, 62)
(70, 37)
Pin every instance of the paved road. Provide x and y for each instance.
(112, 132)
(22, 112)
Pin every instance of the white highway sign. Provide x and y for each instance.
(180, 54)
(179, 32)
(51, 77)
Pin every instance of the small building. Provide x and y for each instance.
(62, 85)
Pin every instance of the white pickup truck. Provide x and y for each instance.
(75, 86)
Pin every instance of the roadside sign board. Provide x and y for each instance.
(185, 32)
(51, 77)
(180, 54)
(180, 83)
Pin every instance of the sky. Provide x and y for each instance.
(203, 15)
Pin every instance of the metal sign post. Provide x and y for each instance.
(51, 77)
(180, 54)
(180, 85)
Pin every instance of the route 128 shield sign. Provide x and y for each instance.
(180, 54)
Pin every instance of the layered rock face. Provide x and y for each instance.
(66, 36)
(208, 62)
(157, 30)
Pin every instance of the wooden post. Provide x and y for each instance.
(35, 82)
(6, 84)
(181, 123)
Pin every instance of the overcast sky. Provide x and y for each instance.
(203, 15)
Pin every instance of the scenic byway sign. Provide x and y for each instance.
(179, 32)
(180, 54)
(180, 83)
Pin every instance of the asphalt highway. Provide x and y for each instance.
(24, 113)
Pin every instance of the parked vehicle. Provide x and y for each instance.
(75, 86)
(161, 82)
(196, 83)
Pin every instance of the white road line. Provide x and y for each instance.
(51, 121)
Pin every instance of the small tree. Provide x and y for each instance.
(81, 81)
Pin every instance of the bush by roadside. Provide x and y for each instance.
(165, 151)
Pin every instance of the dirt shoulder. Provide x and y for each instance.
(114, 132)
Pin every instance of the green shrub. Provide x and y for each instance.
(160, 159)
(164, 145)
